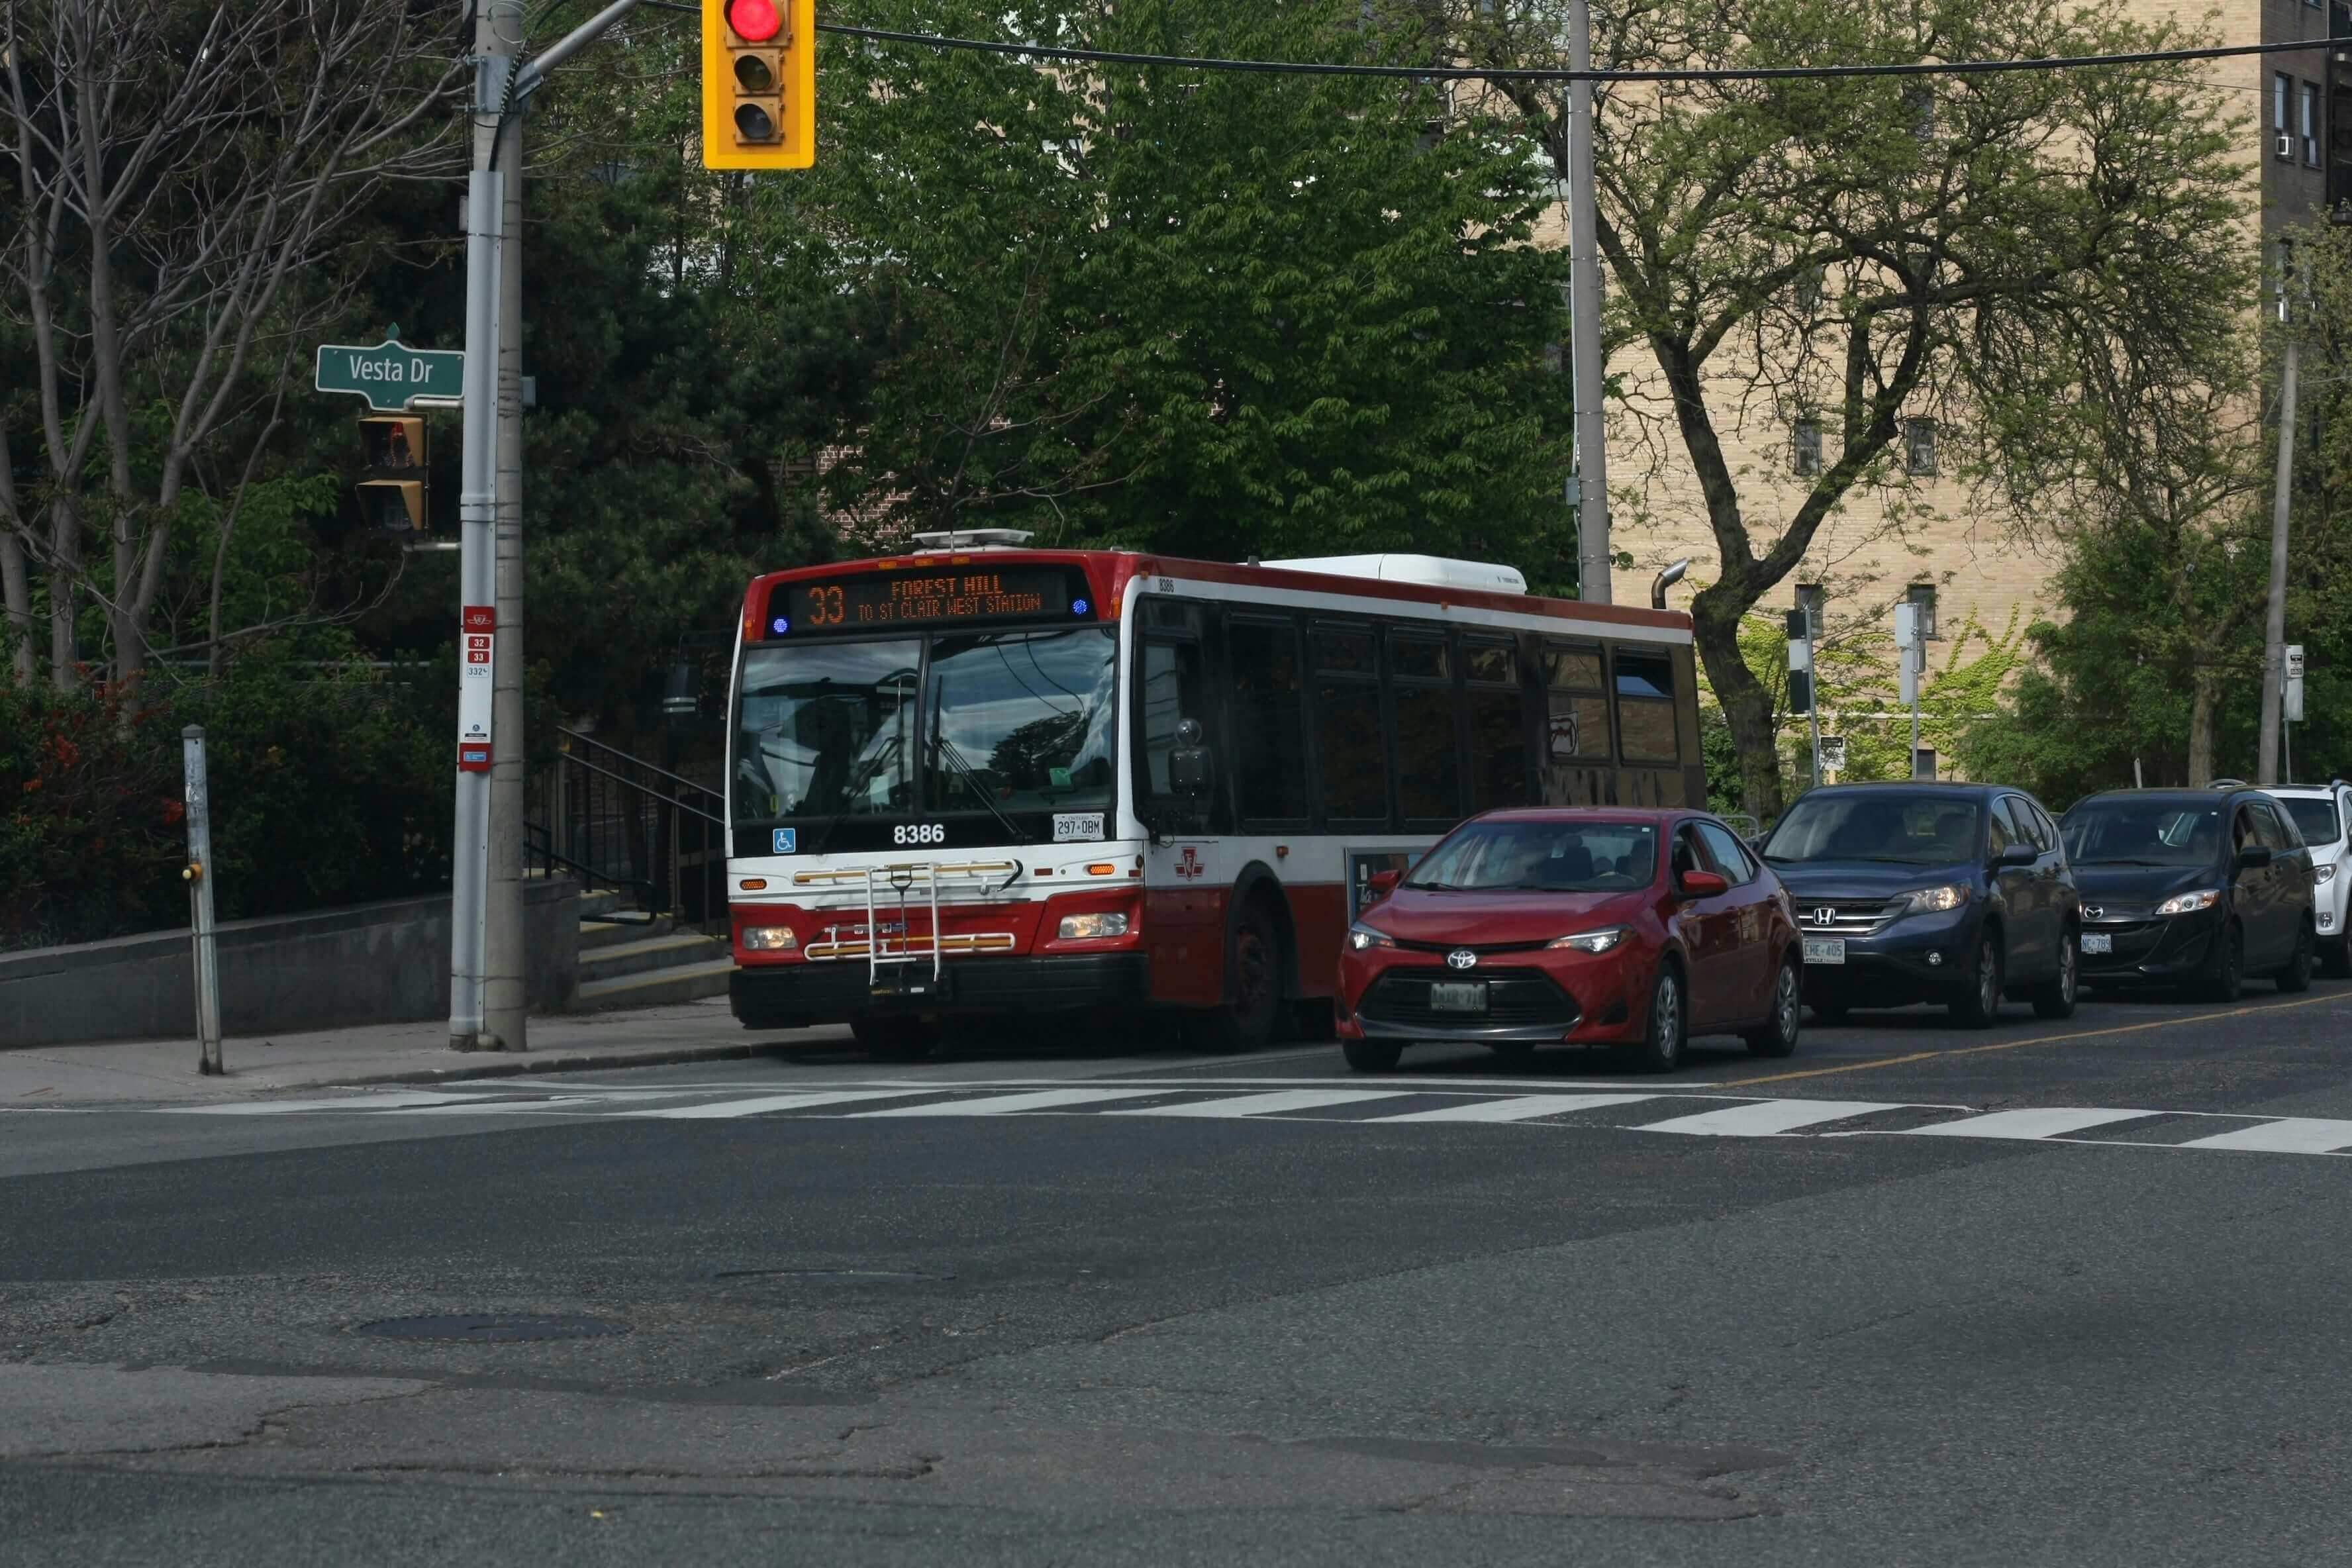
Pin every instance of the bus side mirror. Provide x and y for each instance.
(1190, 770)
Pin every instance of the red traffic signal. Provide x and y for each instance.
(754, 21)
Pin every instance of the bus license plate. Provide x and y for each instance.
(1825, 950)
(2098, 942)
(1457, 997)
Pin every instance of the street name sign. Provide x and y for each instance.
(391, 376)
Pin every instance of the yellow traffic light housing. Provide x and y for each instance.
(759, 84)
(392, 506)
(394, 441)
(393, 495)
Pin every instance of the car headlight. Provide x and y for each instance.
(1936, 900)
(1360, 937)
(769, 939)
(2323, 874)
(1076, 927)
(2188, 903)
(1601, 940)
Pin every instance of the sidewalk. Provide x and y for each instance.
(134, 1070)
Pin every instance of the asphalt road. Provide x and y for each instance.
(2070, 1293)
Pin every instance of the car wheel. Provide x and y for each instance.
(896, 1039)
(2056, 999)
(1979, 1006)
(1254, 980)
(2296, 976)
(2224, 975)
(1669, 1031)
(1778, 1038)
(1372, 1055)
(2336, 959)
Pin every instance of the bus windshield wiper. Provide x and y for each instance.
(943, 747)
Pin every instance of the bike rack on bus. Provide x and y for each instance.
(902, 879)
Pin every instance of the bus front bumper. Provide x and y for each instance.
(791, 995)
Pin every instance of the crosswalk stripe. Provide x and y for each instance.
(2288, 1135)
(727, 1110)
(2050, 1123)
(1764, 1117)
(1522, 1107)
(1267, 1104)
(1005, 1104)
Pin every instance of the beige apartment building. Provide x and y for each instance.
(1925, 536)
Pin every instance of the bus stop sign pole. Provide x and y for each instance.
(199, 875)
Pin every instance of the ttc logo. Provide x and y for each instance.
(1188, 865)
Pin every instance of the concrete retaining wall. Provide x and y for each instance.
(367, 963)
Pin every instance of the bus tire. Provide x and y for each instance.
(1252, 983)
(895, 1039)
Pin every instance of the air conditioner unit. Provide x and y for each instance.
(2286, 143)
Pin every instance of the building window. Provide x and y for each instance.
(2282, 98)
(1923, 595)
(1806, 457)
(1815, 604)
(2311, 124)
(1919, 448)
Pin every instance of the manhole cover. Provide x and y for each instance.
(498, 1329)
(833, 1276)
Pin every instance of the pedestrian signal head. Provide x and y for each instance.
(759, 84)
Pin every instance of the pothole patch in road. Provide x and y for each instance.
(494, 1329)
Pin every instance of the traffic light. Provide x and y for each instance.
(392, 496)
(759, 84)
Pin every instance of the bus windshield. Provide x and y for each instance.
(988, 721)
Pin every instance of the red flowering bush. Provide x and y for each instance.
(90, 838)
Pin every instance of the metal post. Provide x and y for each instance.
(2281, 500)
(486, 211)
(505, 995)
(1593, 558)
(199, 875)
(1813, 709)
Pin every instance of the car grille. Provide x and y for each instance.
(1846, 917)
(1515, 998)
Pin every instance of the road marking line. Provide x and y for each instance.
(1766, 1118)
(2288, 1135)
(1005, 1104)
(398, 1101)
(728, 1109)
(1522, 1109)
(2042, 1123)
(1266, 1104)
(2039, 1040)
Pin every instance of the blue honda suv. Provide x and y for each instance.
(1929, 892)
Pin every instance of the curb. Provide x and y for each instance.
(524, 1064)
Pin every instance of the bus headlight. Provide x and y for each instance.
(1075, 928)
(769, 939)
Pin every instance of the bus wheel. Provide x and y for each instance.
(1253, 976)
(895, 1039)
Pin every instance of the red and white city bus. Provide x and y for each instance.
(985, 780)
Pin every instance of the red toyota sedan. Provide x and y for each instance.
(1586, 926)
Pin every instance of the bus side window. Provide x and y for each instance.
(1496, 709)
(1646, 706)
(1269, 719)
(1171, 690)
(1348, 744)
(1429, 764)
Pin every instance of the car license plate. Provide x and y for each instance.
(1457, 996)
(1825, 950)
(2097, 941)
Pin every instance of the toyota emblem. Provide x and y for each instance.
(1461, 958)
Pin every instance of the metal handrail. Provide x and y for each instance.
(644, 789)
(636, 762)
(618, 821)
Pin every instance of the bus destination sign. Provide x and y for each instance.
(927, 596)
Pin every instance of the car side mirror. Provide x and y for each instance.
(2253, 857)
(1190, 768)
(2017, 855)
(1383, 883)
(1703, 885)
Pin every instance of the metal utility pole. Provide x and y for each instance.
(198, 797)
(2282, 502)
(505, 1001)
(1593, 557)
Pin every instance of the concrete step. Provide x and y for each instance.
(665, 952)
(615, 929)
(597, 903)
(657, 988)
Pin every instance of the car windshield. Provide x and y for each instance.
(1003, 722)
(2142, 833)
(1542, 857)
(1898, 830)
(2315, 819)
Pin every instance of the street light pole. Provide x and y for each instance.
(505, 1004)
(2281, 502)
(1594, 560)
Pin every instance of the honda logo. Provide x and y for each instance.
(1825, 916)
(1461, 958)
